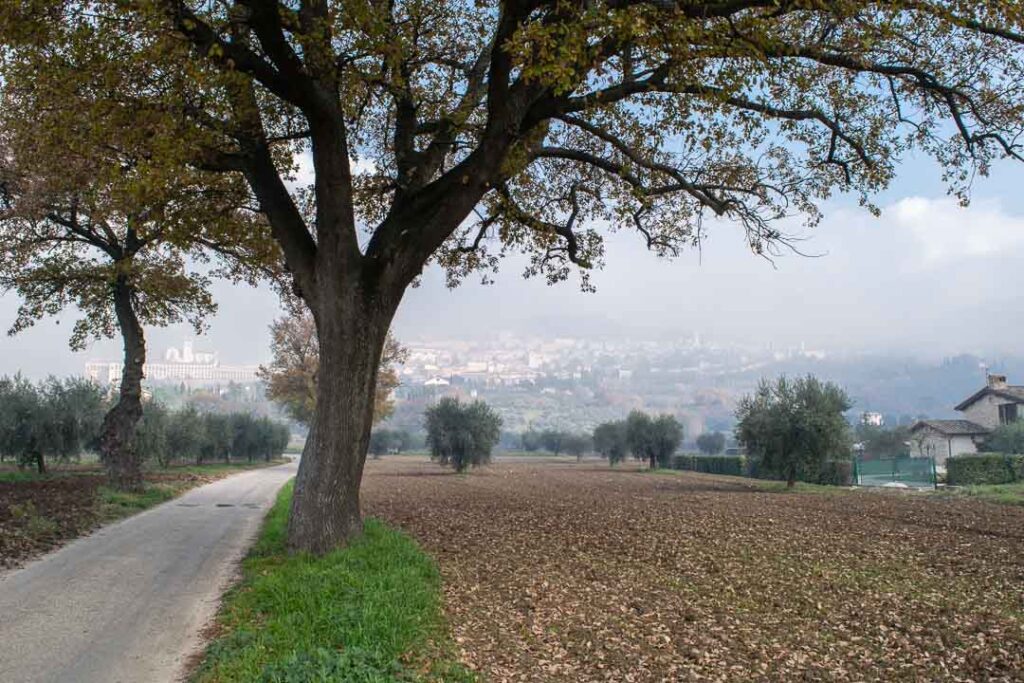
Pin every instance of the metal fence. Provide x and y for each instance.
(895, 472)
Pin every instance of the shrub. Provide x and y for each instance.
(984, 468)
(1017, 465)
(830, 472)
(1007, 438)
(712, 464)
(836, 473)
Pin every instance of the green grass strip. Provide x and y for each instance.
(370, 613)
(1003, 494)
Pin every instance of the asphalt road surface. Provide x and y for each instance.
(127, 604)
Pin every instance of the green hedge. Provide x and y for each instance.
(984, 468)
(1017, 465)
(832, 472)
(735, 465)
(836, 473)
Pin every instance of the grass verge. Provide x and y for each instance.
(117, 504)
(1003, 494)
(370, 613)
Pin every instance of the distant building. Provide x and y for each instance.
(872, 419)
(436, 382)
(942, 439)
(994, 405)
(997, 404)
(180, 365)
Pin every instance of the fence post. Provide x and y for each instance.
(935, 475)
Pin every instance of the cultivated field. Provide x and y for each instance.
(565, 572)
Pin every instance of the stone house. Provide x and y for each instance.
(996, 404)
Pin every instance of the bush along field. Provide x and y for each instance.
(996, 477)
(829, 472)
(370, 613)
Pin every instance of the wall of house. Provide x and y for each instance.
(940, 446)
(985, 411)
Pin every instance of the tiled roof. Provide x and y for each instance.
(1013, 393)
(953, 427)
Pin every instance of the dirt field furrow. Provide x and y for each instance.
(566, 572)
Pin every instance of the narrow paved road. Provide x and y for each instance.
(126, 604)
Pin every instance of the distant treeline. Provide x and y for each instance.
(60, 419)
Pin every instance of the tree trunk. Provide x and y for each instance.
(654, 462)
(117, 437)
(791, 480)
(325, 510)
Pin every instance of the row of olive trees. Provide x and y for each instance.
(650, 438)
(61, 419)
(186, 434)
(57, 419)
(556, 441)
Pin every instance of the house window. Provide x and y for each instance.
(1007, 413)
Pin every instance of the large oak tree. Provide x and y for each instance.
(489, 126)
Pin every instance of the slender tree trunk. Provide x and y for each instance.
(351, 331)
(653, 462)
(791, 480)
(117, 437)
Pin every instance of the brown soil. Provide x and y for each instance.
(581, 573)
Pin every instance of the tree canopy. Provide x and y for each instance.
(711, 443)
(794, 426)
(610, 440)
(653, 438)
(1008, 438)
(52, 419)
(461, 435)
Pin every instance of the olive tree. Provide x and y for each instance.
(453, 132)
(610, 440)
(461, 434)
(711, 443)
(794, 425)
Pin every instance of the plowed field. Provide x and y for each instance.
(566, 572)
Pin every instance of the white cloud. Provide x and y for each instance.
(946, 232)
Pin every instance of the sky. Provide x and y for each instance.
(928, 278)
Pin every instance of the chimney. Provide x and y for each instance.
(996, 381)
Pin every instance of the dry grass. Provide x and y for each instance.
(563, 572)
